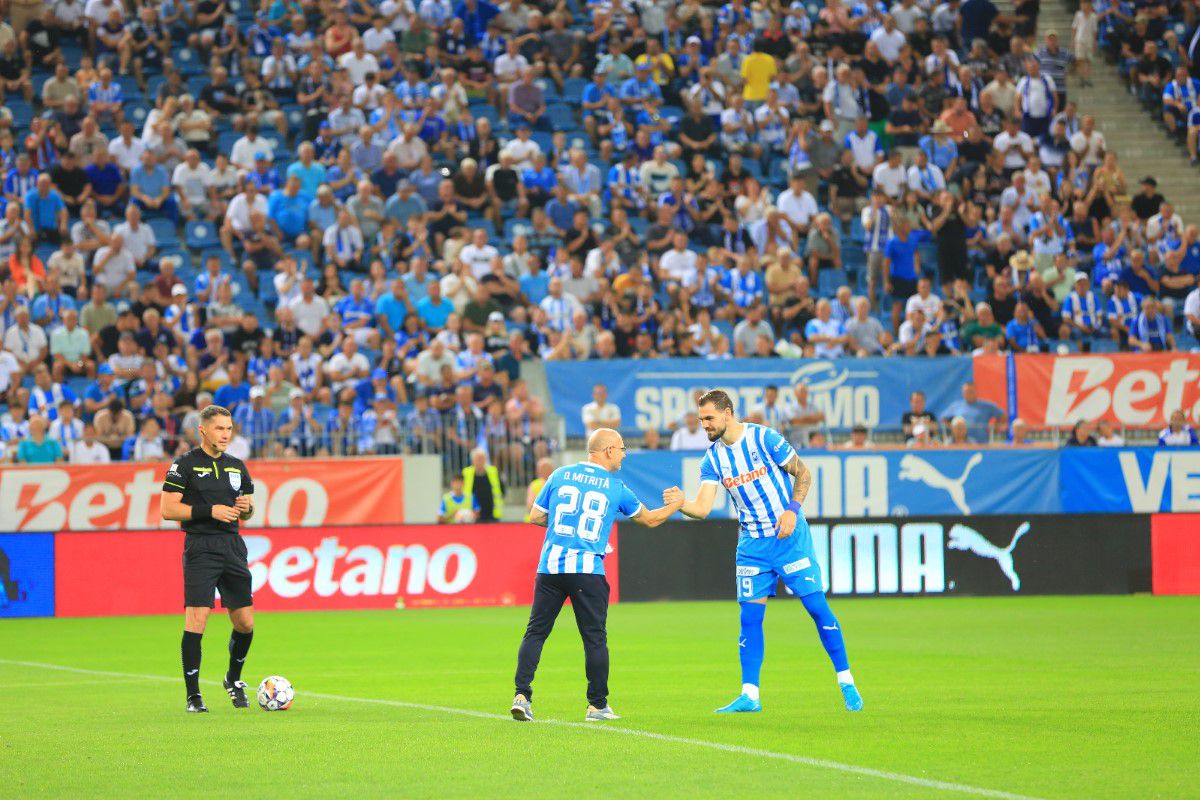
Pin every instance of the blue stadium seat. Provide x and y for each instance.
(486, 224)
(828, 281)
(573, 90)
(561, 118)
(164, 232)
(201, 235)
(516, 225)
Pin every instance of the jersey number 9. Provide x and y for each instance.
(591, 517)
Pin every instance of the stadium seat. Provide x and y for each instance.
(164, 232)
(573, 90)
(201, 235)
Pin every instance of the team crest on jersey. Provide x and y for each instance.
(235, 479)
(755, 457)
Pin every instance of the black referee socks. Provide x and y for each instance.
(191, 661)
(239, 646)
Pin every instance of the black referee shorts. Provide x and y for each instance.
(212, 562)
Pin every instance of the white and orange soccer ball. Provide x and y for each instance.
(275, 694)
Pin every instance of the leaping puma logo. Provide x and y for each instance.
(915, 468)
(964, 538)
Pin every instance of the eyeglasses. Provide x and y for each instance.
(614, 447)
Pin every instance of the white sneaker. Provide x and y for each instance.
(599, 714)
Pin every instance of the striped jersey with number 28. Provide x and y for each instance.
(581, 502)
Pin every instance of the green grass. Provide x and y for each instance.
(1046, 697)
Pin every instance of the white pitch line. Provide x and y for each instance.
(820, 763)
(75, 683)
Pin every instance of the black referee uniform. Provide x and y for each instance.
(214, 554)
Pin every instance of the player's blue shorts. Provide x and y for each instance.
(762, 563)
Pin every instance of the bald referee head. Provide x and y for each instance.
(606, 448)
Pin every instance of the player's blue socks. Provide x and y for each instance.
(828, 629)
(750, 642)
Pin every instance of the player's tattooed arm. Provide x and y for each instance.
(803, 477)
(538, 517)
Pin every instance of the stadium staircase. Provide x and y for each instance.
(1141, 146)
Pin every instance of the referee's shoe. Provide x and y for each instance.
(237, 692)
(196, 705)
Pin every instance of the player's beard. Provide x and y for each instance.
(717, 434)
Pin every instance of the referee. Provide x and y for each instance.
(207, 491)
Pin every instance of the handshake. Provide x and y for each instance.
(673, 498)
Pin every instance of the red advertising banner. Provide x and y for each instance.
(1132, 389)
(125, 496)
(1175, 553)
(307, 569)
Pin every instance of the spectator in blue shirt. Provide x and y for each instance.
(1151, 331)
(641, 85)
(235, 392)
(902, 264)
(392, 309)
(289, 208)
(981, 415)
(255, 420)
(150, 187)
(108, 184)
(38, 448)
(358, 314)
(1023, 331)
(46, 212)
(594, 99)
(309, 171)
(20, 180)
(434, 309)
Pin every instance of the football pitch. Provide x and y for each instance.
(1084, 697)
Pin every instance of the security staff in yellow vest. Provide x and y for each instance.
(544, 467)
(482, 480)
(457, 507)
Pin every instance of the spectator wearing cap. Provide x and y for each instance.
(264, 175)
(1082, 313)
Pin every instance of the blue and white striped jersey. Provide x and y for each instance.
(582, 502)
(752, 471)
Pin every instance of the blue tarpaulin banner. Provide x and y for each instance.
(864, 391)
(26, 575)
(1139, 479)
(885, 483)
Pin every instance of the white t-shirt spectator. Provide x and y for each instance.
(522, 152)
(1014, 158)
(679, 265)
(605, 416)
(127, 154)
(798, 208)
(138, 242)
(238, 213)
(889, 44)
(81, 452)
(930, 305)
(683, 439)
(310, 315)
(193, 184)
(355, 366)
(479, 259)
(357, 67)
(891, 180)
(115, 270)
(9, 366)
(241, 155)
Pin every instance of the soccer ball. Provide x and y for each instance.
(275, 694)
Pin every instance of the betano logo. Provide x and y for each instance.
(745, 477)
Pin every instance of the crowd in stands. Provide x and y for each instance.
(351, 222)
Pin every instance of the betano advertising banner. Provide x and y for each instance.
(884, 483)
(1130, 389)
(939, 556)
(305, 569)
(650, 393)
(300, 493)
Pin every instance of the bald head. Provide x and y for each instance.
(602, 439)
